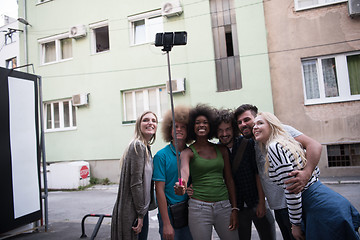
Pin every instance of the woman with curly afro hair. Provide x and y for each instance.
(209, 167)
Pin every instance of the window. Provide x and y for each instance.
(59, 116)
(10, 37)
(11, 63)
(145, 26)
(343, 155)
(140, 100)
(56, 49)
(100, 37)
(227, 56)
(332, 78)
(306, 4)
(229, 43)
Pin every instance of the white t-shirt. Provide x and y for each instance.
(148, 171)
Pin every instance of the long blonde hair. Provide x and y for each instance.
(278, 134)
(139, 137)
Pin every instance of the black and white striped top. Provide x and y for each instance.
(281, 163)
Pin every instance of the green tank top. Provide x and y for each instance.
(207, 177)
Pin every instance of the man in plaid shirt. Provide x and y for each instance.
(249, 193)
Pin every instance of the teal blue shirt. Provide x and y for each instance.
(166, 170)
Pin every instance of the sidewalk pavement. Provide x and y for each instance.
(67, 209)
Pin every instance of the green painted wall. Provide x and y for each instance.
(100, 133)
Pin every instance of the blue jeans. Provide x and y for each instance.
(282, 219)
(204, 215)
(181, 233)
(328, 215)
(265, 226)
(145, 228)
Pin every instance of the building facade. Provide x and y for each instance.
(314, 52)
(100, 68)
(9, 43)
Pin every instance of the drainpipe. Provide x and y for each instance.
(26, 38)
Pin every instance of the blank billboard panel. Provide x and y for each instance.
(19, 150)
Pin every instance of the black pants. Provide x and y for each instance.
(265, 226)
(282, 219)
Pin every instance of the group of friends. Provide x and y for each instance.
(258, 165)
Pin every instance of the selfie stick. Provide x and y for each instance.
(160, 39)
(173, 120)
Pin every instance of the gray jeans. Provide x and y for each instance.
(204, 215)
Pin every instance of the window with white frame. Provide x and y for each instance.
(145, 26)
(100, 37)
(59, 116)
(334, 78)
(306, 4)
(56, 49)
(135, 102)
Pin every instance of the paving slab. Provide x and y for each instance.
(67, 209)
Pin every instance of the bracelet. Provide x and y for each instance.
(235, 208)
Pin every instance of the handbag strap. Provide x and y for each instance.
(239, 155)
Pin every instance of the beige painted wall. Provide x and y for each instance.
(310, 33)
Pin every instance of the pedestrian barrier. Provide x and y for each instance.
(97, 227)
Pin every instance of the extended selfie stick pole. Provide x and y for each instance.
(167, 40)
(173, 120)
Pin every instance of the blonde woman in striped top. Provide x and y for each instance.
(317, 212)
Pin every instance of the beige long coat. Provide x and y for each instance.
(130, 203)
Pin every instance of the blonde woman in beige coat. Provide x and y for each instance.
(130, 218)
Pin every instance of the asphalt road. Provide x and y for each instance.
(67, 209)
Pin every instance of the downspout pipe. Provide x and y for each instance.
(46, 193)
(26, 37)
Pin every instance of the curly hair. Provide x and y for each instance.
(243, 108)
(226, 116)
(206, 111)
(181, 114)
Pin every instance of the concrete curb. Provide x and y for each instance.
(104, 187)
(340, 180)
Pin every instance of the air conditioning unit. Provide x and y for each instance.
(354, 8)
(77, 31)
(177, 85)
(171, 8)
(80, 99)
